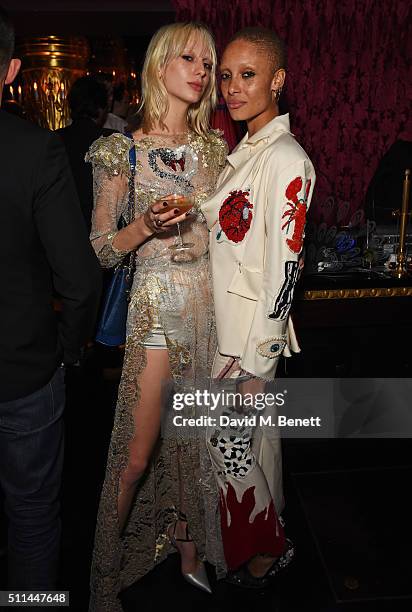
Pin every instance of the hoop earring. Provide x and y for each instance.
(276, 94)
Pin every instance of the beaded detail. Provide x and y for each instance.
(166, 164)
(111, 153)
(272, 347)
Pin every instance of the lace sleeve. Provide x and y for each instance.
(109, 157)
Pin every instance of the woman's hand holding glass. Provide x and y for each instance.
(160, 217)
(165, 213)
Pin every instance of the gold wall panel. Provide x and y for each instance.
(50, 64)
(370, 292)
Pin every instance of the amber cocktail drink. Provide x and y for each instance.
(184, 203)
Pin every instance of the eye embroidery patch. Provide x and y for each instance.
(285, 296)
(295, 212)
(272, 347)
(235, 216)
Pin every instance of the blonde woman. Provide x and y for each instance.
(159, 490)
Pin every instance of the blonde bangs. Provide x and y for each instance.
(167, 44)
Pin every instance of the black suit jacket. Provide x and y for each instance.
(77, 138)
(44, 248)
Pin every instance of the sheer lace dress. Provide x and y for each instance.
(178, 296)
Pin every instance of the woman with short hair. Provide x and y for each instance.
(256, 220)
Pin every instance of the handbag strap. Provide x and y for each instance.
(132, 163)
(131, 206)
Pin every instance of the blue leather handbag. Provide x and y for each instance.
(111, 327)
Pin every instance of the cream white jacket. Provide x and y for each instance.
(256, 220)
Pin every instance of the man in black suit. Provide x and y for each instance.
(88, 101)
(44, 249)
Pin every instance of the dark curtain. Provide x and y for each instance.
(221, 120)
(348, 86)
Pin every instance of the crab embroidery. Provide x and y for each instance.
(296, 213)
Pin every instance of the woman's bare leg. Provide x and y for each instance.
(147, 427)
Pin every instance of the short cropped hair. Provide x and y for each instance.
(6, 41)
(86, 97)
(268, 42)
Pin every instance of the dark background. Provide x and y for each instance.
(347, 502)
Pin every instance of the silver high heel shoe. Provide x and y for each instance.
(198, 578)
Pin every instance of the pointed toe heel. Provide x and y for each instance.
(199, 578)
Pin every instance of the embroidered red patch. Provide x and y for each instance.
(235, 215)
(243, 539)
(172, 163)
(296, 213)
